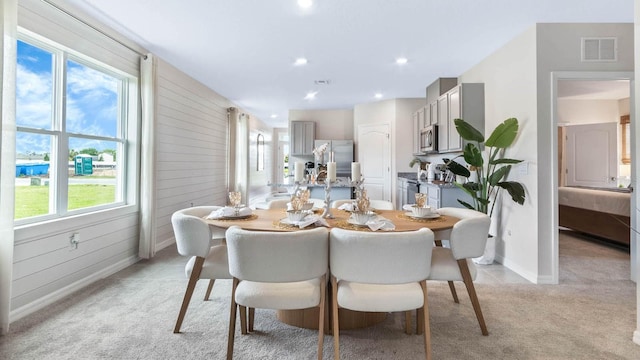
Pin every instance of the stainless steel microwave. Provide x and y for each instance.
(429, 139)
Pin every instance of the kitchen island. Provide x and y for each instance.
(340, 189)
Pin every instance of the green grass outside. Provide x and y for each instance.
(34, 200)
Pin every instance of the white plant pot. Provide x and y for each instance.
(489, 252)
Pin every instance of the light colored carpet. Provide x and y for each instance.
(130, 315)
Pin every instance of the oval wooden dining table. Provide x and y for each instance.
(271, 220)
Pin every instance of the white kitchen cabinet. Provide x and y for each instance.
(465, 101)
(301, 136)
(416, 133)
(431, 114)
(401, 192)
(444, 195)
(443, 119)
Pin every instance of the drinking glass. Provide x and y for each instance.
(234, 198)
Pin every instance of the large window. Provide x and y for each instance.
(72, 134)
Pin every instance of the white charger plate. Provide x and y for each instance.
(430, 216)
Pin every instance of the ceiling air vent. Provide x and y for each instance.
(322, 82)
(600, 49)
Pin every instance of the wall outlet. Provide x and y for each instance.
(74, 240)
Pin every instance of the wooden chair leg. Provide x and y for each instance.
(427, 327)
(209, 288)
(419, 321)
(452, 287)
(243, 319)
(252, 313)
(468, 282)
(407, 322)
(336, 325)
(323, 295)
(232, 320)
(195, 275)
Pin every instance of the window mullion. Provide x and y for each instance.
(62, 189)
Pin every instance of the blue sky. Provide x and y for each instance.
(91, 101)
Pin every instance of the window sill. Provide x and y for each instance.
(28, 232)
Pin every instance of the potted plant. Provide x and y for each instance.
(490, 172)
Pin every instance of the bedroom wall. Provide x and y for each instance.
(572, 111)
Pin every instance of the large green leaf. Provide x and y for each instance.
(503, 135)
(456, 168)
(466, 204)
(473, 156)
(467, 131)
(498, 175)
(505, 161)
(515, 189)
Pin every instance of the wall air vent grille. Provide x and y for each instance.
(600, 49)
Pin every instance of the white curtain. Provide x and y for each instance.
(9, 26)
(147, 248)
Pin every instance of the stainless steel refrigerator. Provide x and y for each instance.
(342, 152)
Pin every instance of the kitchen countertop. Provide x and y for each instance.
(414, 176)
(340, 182)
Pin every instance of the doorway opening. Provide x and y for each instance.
(592, 148)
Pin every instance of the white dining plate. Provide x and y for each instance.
(430, 216)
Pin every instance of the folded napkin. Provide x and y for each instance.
(310, 219)
(408, 207)
(229, 211)
(346, 206)
(381, 223)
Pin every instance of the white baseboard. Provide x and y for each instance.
(532, 277)
(164, 244)
(47, 300)
(636, 336)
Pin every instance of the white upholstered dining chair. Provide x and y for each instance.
(195, 239)
(380, 272)
(277, 270)
(217, 233)
(467, 240)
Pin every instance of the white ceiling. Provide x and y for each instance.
(245, 49)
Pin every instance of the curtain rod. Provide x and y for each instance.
(93, 27)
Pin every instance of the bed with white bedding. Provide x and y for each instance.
(596, 211)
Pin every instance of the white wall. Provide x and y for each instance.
(572, 111)
(191, 147)
(509, 77)
(551, 38)
(398, 114)
(329, 125)
(518, 84)
(45, 268)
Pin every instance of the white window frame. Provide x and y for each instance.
(127, 134)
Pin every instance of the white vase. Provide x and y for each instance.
(489, 252)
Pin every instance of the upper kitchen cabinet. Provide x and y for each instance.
(465, 101)
(301, 137)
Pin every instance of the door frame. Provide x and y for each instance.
(557, 76)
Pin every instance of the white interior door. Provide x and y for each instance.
(591, 154)
(374, 155)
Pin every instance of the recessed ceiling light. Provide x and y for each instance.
(378, 96)
(300, 61)
(311, 95)
(305, 3)
(401, 61)
(273, 116)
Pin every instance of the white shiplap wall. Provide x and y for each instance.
(191, 147)
(45, 267)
